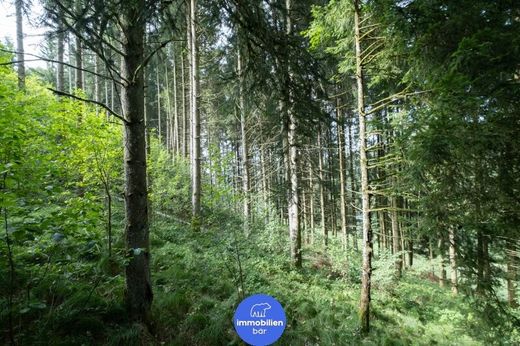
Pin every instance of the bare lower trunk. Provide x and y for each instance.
(410, 252)
(511, 276)
(158, 83)
(303, 199)
(353, 197)
(168, 106)
(138, 283)
(19, 44)
(442, 277)
(453, 261)
(60, 78)
(195, 120)
(483, 268)
(364, 308)
(97, 89)
(79, 64)
(430, 251)
(396, 248)
(294, 214)
(330, 177)
(70, 54)
(185, 130)
(176, 141)
(382, 228)
(263, 169)
(342, 180)
(245, 147)
(311, 200)
(324, 229)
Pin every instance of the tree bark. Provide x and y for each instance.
(176, 141)
(396, 243)
(158, 83)
(311, 201)
(195, 119)
(382, 227)
(332, 183)
(168, 106)
(138, 283)
(342, 180)
(19, 44)
(78, 52)
(483, 266)
(364, 309)
(243, 135)
(442, 277)
(353, 186)
(97, 89)
(453, 261)
(294, 214)
(60, 78)
(324, 228)
(263, 170)
(70, 54)
(185, 130)
(511, 275)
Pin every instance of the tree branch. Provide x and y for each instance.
(392, 98)
(61, 93)
(41, 58)
(147, 59)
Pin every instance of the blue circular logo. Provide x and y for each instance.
(259, 320)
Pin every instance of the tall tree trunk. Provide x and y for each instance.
(158, 83)
(195, 119)
(410, 250)
(169, 125)
(185, 130)
(60, 80)
(294, 214)
(107, 99)
(78, 51)
(97, 89)
(483, 266)
(189, 71)
(342, 180)
(146, 119)
(304, 215)
(364, 309)
(19, 44)
(430, 253)
(287, 168)
(243, 135)
(70, 54)
(138, 283)
(332, 183)
(511, 254)
(353, 187)
(396, 242)
(176, 141)
(442, 277)
(324, 228)
(453, 261)
(263, 170)
(382, 227)
(311, 200)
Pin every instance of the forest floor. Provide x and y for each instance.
(197, 286)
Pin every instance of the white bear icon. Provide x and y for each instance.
(258, 310)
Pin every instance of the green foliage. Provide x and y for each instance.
(54, 156)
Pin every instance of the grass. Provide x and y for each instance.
(197, 286)
(197, 290)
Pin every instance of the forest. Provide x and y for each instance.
(357, 160)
